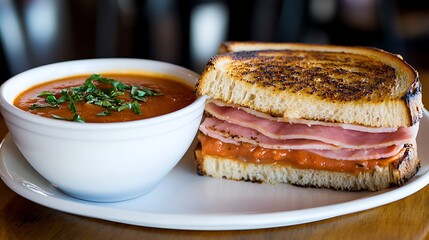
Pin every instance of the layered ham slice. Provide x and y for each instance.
(212, 105)
(236, 134)
(239, 125)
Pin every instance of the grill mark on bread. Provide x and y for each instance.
(336, 76)
(399, 106)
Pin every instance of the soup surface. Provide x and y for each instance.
(106, 98)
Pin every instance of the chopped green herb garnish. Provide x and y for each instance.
(135, 107)
(74, 118)
(45, 93)
(37, 106)
(77, 118)
(91, 94)
(104, 113)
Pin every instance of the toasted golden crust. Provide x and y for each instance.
(395, 174)
(316, 82)
(333, 76)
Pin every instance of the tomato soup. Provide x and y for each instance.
(106, 98)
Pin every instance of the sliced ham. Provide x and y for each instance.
(333, 135)
(237, 125)
(212, 104)
(360, 154)
(235, 134)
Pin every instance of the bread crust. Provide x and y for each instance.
(316, 82)
(395, 174)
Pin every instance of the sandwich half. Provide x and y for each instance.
(326, 116)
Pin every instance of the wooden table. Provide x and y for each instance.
(404, 219)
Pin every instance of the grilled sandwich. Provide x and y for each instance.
(311, 115)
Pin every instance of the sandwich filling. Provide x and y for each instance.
(247, 135)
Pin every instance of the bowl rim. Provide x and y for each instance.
(7, 106)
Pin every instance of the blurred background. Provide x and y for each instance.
(188, 32)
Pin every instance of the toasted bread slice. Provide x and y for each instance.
(353, 85)
(395, 174)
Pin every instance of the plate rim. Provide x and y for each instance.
(241, 221)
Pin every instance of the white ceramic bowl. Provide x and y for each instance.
(101, 161)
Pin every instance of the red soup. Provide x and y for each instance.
(106, 98)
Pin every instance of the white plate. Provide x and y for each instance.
(184, 200)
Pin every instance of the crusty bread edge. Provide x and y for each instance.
(217, 85)
(405, 111)
(395, 174)
(412, 98)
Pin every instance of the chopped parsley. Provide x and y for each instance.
(89, 93)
